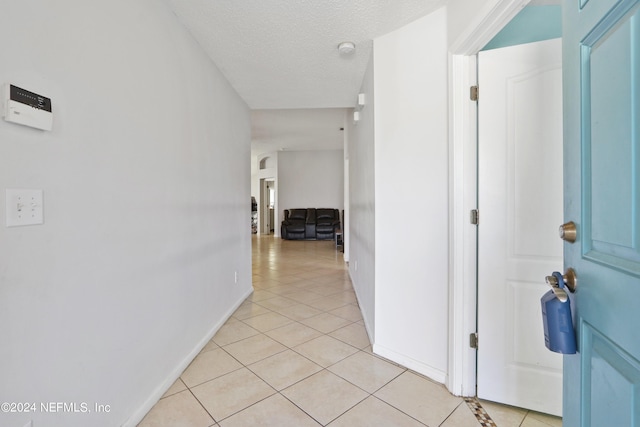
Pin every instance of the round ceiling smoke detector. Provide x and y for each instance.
(345, 48)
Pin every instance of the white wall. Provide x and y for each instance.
(362, 207)
(465, 15)
(310, 179)
(146, 187)
(411, 195)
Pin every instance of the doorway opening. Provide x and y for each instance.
(464, 193)
(267, 205)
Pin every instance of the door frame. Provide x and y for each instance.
(263, 208)
(463, 184)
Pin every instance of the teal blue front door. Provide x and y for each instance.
(601, 63)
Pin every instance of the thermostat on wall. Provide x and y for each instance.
(27, 108)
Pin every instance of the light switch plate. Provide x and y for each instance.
(24, 207)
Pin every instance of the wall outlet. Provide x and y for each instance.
(235, 277)
(355, 265)
(29, 424)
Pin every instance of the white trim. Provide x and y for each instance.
(487, 24)
(140, 413)
(408, 362)
(271, 175)
(346, 233)
(365, 319)
(461, 378)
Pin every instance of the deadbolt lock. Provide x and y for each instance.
(568, 232)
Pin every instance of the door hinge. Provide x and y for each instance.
(473, 340)
(475, 217)
(474, 93)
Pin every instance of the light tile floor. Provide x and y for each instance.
(296, 353)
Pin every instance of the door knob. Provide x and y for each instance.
(568, 232)
(569, 279)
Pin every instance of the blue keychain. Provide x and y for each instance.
(559, 335)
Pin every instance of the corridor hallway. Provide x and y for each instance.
(296, 353)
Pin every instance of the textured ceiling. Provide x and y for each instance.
(282, 54)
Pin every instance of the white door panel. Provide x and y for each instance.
(520, 204)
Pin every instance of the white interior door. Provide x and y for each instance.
(520, 205)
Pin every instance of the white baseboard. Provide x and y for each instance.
(172, 376)
(408, 362)
(364, 317)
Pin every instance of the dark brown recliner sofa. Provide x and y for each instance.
(310, 224)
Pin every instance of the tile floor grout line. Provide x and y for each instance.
(462, 402)
(243, 409)
(291, 385)
(215, 422)
(356, 404)
(305, 412)
(397, 409)
(323, 368)
(254, 373)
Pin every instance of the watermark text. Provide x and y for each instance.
(54, 407)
